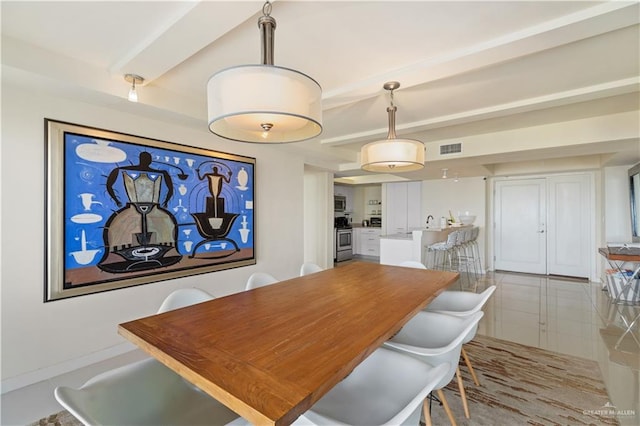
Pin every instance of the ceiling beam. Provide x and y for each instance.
(196, 26)
(590, 22)
(614, 88)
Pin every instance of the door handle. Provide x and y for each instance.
(541, 232)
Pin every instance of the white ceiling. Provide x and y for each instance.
(466, 68)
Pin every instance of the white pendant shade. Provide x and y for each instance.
(392, 155)
(264, 104)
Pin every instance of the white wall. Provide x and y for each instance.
(318, 218)
(40, 339)
(468, 194)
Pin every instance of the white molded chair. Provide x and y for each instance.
(462, 304)
(184, 297)
(146, 392)
(309, 268)
(412, 264)
(387, 388)
(260, 279)
(142, 393)
(435, 339)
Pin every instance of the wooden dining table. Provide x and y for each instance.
(270, 353)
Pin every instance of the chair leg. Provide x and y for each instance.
(427, 414)
(447, 409)
(470, 367)
(463, 395)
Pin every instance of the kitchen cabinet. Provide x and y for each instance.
(403, 207)
(368, 241)
(347, 192)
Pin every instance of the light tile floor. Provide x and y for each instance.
(575, 318)
(556, 314)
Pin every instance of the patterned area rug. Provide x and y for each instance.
(523, 385)
(519, 385)
(63, 418)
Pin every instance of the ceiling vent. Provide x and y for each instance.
(454, 148)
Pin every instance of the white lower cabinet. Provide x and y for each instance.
(368, 241)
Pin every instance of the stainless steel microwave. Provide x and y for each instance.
(339, 203)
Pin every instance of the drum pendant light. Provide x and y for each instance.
(392, 155)
(264, 103)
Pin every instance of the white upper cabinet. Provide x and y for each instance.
(346, 191)
(402, 207)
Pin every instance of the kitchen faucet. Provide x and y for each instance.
(429, 219)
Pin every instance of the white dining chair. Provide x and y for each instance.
(387, 388)
(146, 392)
(437, 338)
(142, 393)
(309, 268)
(462, 304)
(184, 297)
(259, 279)
(412, 264)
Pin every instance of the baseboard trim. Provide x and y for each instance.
(47, 373)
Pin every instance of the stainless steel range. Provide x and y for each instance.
(344, 250)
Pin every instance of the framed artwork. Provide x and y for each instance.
(124, 210)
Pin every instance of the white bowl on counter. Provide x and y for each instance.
(467, 219)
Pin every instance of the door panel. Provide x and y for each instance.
(568, 229)
(520, 218)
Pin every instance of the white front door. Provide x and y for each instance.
(520, 226)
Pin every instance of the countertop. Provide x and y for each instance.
(409, 235)
(438, 229)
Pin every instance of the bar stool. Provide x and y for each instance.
(464, 257)
(452, 255)
(475, 249)
(442, 251)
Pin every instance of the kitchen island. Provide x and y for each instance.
(397, 248)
